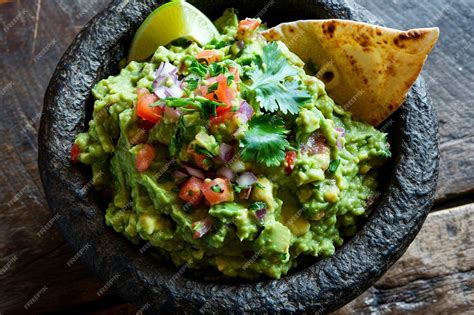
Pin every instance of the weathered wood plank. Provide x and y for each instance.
(436, 274)
(33, 35)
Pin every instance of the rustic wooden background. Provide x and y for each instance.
(37, 270)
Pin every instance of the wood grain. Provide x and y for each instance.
(33, 36)
(449, 72)
(436, 273)
(29, 261)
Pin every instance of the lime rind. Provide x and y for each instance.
(167, 23)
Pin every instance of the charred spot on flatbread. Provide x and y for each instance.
(381, 62)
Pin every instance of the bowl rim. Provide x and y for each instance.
(321, 287)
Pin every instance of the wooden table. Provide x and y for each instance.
(436, 275)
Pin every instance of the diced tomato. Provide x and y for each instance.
(290, 160)
(224, 93)
(144, 110)
(224, 116)
(190, 191)
(75, 152)
(217, 191)
(199, 159)
(221, 110)
(145, 157)
(248, 25)
(209, 55)
(202, 227)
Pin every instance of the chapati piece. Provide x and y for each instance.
(367, 69)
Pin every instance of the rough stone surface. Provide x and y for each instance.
(323, 286)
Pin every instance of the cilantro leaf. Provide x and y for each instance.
(178, 139)
(215, 69)
(212, 87)
(258, 205)
(272, 89)
(195, 67)
(334, 165)
(203, 152)
(192, 84)
(265, 140)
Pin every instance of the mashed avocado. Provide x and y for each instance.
(230, 155)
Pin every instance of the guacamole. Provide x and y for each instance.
(230, 156)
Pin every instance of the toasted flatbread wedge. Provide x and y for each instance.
(367, 69)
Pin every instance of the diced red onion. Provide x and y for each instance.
(194, 172)
(165, 72)
(202, 227)
(226, 173)
(172, 113)
(226, 152)
(245, 193)
(178, 175)
(342, 133)
(246, 179)
(242, 118)
(260, 214)
(246, 109)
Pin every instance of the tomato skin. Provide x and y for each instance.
(75, 152)
(224, 93)
(144, 110)
(223, 116)
(209, 55)
(199, 159)
(226, 192)
(221, 110)
(190, 191)
(145, 157)
(290, 160)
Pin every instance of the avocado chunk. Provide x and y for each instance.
(238, 215)
(207, 142)
(274, 242)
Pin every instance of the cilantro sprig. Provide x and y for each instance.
(273, 90)
(265, 140)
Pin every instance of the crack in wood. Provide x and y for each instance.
(35, 33)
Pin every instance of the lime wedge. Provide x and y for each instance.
(167, 23)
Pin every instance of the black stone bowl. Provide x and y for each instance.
(321, 286)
